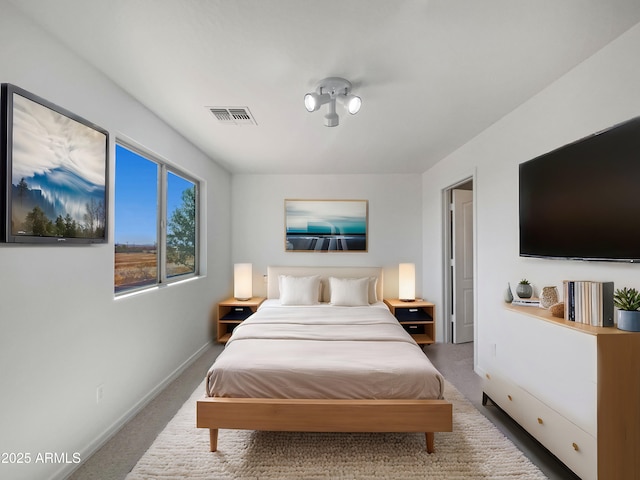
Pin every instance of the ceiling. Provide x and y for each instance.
(432, 74)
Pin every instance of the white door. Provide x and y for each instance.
(462, 248)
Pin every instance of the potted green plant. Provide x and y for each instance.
(628, 302)
(524, 290)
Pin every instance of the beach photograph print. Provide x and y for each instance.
(58, 176)
(326, 225)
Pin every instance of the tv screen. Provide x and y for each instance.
(55, 167)
(581, 201)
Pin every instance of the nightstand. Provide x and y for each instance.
(232, 313)
(416, 317)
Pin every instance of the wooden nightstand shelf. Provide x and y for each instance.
(233, 312)
(416, 317)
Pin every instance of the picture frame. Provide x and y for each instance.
(55, 166)
(326, 225)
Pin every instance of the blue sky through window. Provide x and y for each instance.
(136, 197)
(136, 192)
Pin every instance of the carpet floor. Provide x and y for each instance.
(475, 449)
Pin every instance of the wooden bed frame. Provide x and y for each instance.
(324, 415)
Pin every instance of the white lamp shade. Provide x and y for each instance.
(407, 281)
(242, 281)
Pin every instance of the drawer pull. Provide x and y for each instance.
(509, 397)
(575, 446)
(540, 421)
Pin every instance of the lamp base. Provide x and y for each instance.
(407, 299)
(242, 299)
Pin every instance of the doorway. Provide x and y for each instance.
(459, 284)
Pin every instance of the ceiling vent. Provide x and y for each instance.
(233, 115)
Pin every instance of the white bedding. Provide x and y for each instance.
(323, 351)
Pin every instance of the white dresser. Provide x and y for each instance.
(575, 388)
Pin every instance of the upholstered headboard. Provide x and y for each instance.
(273, 290)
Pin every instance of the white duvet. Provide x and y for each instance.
(323, 351)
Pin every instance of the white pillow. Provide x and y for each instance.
(349, 292)
(373, 293)
(299, 290)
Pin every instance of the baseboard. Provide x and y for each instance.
(103, 438)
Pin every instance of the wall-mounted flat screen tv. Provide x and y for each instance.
(582, 201)
(55, 169)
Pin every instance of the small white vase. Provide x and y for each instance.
(508, 296)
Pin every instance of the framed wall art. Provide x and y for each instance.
(326, 225)
(55, 168)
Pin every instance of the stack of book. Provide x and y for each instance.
(588, 302)
(526, 302)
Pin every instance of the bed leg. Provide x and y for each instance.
(213, 439)
(430, 438)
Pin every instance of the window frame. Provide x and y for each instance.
(164, 167)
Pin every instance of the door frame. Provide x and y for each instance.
(446, 256)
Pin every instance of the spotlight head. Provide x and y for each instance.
(354, 105)
(313, 101)
(351, 102)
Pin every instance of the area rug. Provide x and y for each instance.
(475, 449)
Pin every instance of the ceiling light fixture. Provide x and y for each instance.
(328, 91)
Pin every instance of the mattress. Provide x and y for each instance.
(323, 351)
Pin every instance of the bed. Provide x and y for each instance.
(323, 354)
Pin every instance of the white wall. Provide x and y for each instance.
(62, 332)
(395, 223)
(597, 94)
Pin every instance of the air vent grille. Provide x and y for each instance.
(233, 115)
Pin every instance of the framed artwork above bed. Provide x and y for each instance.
(326, 225)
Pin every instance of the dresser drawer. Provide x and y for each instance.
(575, 447)
(507, 396)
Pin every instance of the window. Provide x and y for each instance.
(156, 221)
